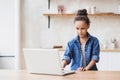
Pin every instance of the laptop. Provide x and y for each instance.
(44, 61)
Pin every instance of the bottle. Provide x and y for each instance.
(93, 9)
(119, 9)
(113, 43)
(60, 9)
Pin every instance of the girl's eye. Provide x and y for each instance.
(77, 28)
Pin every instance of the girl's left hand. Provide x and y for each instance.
(81, 69)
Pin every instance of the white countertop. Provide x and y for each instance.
(7, 53)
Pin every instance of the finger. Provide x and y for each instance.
(81, 68)
(84, 69)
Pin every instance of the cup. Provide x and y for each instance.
(60, 9)
(93, 9)
(119, 9)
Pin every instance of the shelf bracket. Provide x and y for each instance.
(48, 21)
(49, 16)
(48, 4)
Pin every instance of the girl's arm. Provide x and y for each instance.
(64, 63)
(67, 55)
(90, 65)
(95, 55)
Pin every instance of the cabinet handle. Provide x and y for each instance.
(48, 16)
(48, 21)
(7, 56)
(48, 4)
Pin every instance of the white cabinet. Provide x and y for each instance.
(103, 63)
(114, 61)
(109, 61)
(7, 62)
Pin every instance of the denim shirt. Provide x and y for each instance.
(73, 53)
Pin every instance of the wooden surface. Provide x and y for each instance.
(102, 50)
(88, 75)
(73, 14)
(110, 50)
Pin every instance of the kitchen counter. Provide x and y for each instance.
(110, 50)
(87, 75)
(102, 50)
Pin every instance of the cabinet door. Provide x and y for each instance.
(104, 62)
(114, 61)
(7, 62)
(109, 61)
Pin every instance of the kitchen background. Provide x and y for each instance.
(34, 25)
(37, 33)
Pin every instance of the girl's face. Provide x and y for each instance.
(81, 28)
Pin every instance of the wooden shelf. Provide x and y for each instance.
(55, 14)
(73, 14)
(104, 14)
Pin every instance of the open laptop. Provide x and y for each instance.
(44, 61)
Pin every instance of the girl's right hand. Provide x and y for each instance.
(64, 63)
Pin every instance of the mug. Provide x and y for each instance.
(60, 9)
(93, 9)
(119, 9)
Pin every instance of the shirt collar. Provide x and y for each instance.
(77, 37)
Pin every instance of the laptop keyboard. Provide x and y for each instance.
(66, 71)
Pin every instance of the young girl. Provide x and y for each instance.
(83, 50)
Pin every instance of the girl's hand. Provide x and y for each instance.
(81, 69)
(86, 69)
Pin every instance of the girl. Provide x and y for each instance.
(83, 50)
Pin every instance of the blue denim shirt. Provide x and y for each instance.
(73, 53)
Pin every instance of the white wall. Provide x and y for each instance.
(7, 34)
(37, 34)
(7, 25)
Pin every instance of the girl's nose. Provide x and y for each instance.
(80, 31)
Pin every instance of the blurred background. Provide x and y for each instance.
(38, 24)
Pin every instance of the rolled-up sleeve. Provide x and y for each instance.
(68, 53)
(96, 50)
